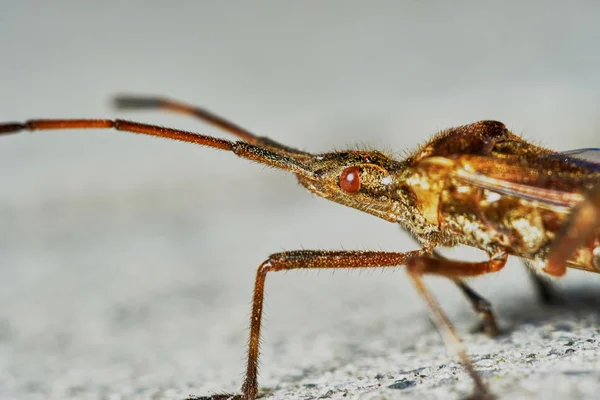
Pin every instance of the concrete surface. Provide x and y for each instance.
(127, 263)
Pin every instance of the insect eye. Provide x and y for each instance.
(350, 180)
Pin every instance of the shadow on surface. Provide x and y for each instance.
(573, 303)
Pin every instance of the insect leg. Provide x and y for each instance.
(576, 232)
(544, 288)
(479, 303)
(301, 259)
(482, 307)
(419, 266)
(125, 102)
(417, 261)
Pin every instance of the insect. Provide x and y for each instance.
(478, 185)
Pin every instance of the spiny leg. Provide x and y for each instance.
(301, 259)
(480, 304)
(482, 307)
(419, 262)
(455, 270)
(581, 228)
(129, 102)
(305, 259)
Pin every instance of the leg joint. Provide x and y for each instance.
(265, 266)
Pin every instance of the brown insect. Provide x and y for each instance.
(478, 185)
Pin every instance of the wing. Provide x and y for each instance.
(557, 180)
(588, 156)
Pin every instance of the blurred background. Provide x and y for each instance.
(127, 263)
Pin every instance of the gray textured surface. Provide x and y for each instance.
(127, 263)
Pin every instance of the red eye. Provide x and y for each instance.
(350, 180)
